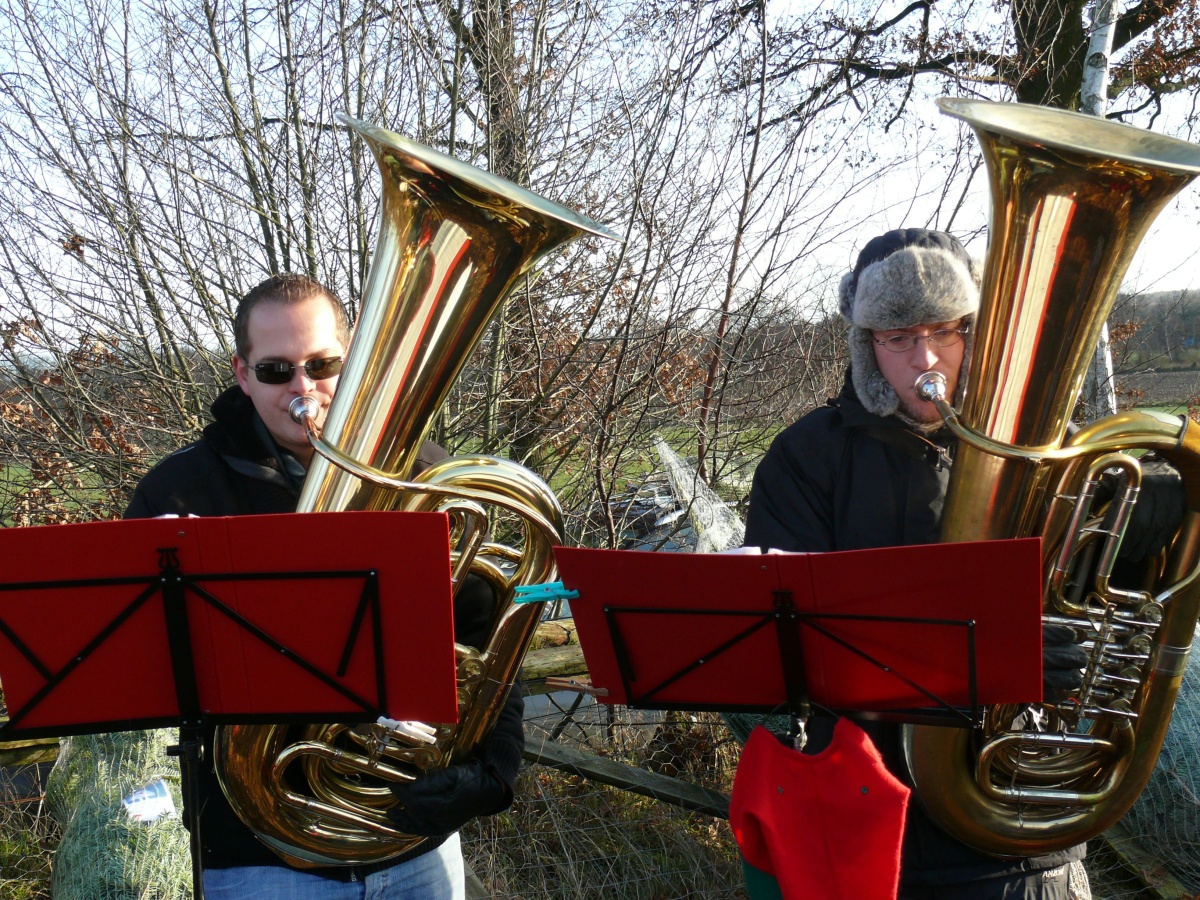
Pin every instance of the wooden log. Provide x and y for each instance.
(554, 651)
(476, 889)
(33, 750)
(551, 661)
(628, 778)
(556, 633)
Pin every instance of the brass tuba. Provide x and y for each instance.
(1072, 196)
(452, 241)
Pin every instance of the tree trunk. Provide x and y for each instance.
(1050, 41)
(1099, 395)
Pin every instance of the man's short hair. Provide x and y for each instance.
(285, 288)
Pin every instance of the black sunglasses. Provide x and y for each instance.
(282, 372)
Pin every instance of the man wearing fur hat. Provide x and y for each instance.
(870, 469)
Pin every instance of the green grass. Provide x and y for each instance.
(13, 481)
(79, 495)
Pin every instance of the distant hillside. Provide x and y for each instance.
(1154, 299)
(1156, 331)
(1175, 388)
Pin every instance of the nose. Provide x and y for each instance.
(301, 383)
(925, 353)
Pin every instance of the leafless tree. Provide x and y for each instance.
(166, 157)
(1032, 50)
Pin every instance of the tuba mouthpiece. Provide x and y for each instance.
(931, 386)
(303, 408)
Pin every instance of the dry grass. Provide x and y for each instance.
(566, 837)
(28, 834)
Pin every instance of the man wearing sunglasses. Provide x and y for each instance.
(870, 469)
(290, 335)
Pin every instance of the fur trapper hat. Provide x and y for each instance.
(905, 277)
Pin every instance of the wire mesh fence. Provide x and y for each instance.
(1160, 835)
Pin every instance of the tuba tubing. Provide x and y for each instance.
(1072, 197)
(452, 242)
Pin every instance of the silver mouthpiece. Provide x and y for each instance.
(303, 408)
(930, 386)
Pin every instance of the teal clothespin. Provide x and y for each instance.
(537, 593)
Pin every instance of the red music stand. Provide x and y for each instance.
(922, 634)
(322, 617)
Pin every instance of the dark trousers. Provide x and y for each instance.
(1049, 884)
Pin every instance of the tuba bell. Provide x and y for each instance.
(1072, 197)
(452, 241)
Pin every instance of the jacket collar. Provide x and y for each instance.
(935, 447)
(856, 415)
(242, 440)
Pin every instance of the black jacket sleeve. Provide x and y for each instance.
(501, 751)
(1158, 513)
(140, 507)
(792, 497)
(474, 608)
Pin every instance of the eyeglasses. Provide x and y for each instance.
(282, 372)
(905, 341)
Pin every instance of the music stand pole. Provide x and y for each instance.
(190, 749)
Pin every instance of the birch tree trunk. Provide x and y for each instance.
(1100, 398)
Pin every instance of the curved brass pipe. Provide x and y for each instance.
(301, 411)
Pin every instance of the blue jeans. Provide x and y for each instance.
(436, 875)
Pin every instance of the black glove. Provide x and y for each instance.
(1062, 659)
(1156, 515)
(445, 800)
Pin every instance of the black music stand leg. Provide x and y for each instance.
(791, 658)
(190, 751)
(191, 719)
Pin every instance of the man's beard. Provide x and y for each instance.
(921, 413)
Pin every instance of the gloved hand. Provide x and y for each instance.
(444, 800)
(1156, 515)
(1062, 659)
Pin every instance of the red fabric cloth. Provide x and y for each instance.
(826, 825)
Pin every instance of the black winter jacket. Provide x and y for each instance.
(842, 478)
(236, 469)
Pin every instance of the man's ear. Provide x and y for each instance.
(242, 371)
